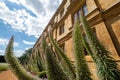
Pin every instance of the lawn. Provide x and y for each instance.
(3, 67)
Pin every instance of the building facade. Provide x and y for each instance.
(103, 17)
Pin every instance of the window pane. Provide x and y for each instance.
(79, 12)
(86, 39)
(62, 13)
(72, 0)
(61, 30)
(62, 47)
(94, 32)
(85, 10)
(85, 51)
(75, 18)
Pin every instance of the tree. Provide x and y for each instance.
(2, 59)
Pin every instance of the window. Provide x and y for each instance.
(85, 51)
(75, 17)
(72, 0)
(77, 14)
(62, 12)
(62, 47)
(94, 31)
(61, 30)
(85, 10)
(86, 39)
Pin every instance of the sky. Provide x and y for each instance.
(25, 19)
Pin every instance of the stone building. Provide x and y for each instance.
(103, 17)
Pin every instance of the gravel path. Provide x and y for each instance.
(7, 75)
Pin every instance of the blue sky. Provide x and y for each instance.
(25, 19)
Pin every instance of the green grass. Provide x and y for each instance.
(3, 67)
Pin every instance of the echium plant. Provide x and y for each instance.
(65, 61)
(39, 64)
(39, 61)
(54, 70)
(107, 68)
(82, 70)
(19, 71)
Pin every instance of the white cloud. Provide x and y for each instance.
(4, 42)
(27, 48)
(15, 1)
(28, 42)
(21, 20)
(1, 52)
(18, 53)
(34, 6)
(16, 44)
(52, 5)
(12, 17)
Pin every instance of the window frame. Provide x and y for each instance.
(83, 8)
(62, 46)
(62, 12)
(61, 29)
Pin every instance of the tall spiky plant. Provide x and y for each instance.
(54, 70)
(39, 61)
(82, 69)
(40, 65)
(25, 60)
(43, 48)
(106, 65)
(68, 66)
(33, 63)
(15, 65)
